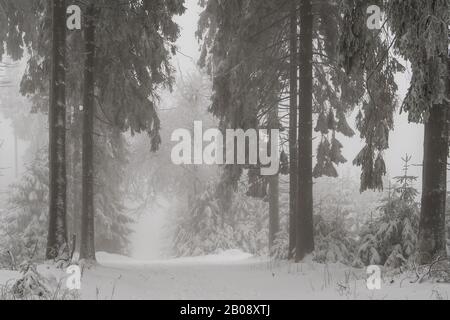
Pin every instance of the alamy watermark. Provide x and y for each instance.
(374, 280)
(375, 18)
(252, 147)
(73, 281)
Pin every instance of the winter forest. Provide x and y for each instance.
(224, 149)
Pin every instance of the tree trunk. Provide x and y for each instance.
(432, 233)
(293, 115)
(274, 188)
(305, 232)
(87, 247)
(57, 230)
(75, 173)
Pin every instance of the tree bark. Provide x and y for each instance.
(76, 153)
(432, 242)
(274, 188)
(57, 230)
(293, 122)
(305, 232)
(87, 246)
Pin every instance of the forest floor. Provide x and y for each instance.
(234, 275)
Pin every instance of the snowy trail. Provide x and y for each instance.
(240, 277)
(233, 275)
(190, 279)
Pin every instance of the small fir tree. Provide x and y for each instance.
(391, 238)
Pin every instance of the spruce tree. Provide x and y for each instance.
(391, 238)
(19, 35)
(293, 124)
(246, 48)
(424, 42)
(367, 59)
(305, 232)
(420, 34)
(87, 248)
(125, 81)
(57, 245)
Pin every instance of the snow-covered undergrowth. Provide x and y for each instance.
(230, 274)
(236, 275)
(35, 282)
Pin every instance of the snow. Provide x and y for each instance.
(235, 275)
(225, 257)
(8, 277)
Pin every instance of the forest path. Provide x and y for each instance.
(238, 276)
(191, 278)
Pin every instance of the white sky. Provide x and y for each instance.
(187, 44)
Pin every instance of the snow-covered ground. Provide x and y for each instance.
(236, 275)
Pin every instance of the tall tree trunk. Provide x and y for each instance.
(274, 187)
(75, 172)
(293, 122)
(57, 230)
(87, 246)
(70, 160)
(432, 228)
(305, 232)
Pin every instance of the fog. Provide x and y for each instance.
(7, 154)
(135, 201)
(148, 237)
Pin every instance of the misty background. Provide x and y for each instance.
(147, 241)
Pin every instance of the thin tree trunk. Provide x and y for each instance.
(305, 232)
(274, 188)
(57, 230)
(293, 122)
(75, 173)
(70, 160)
(87, 248)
